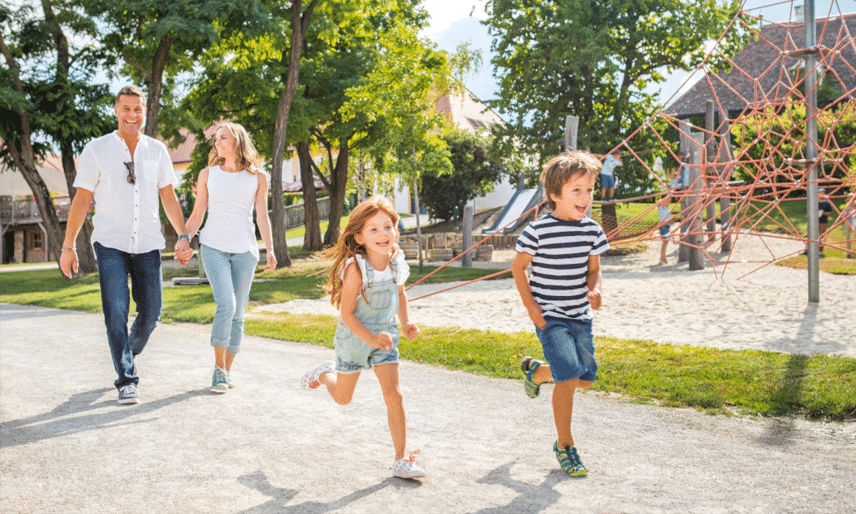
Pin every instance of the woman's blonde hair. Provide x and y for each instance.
(246, 155)
(347, 247)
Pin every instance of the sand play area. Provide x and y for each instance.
(742, 304)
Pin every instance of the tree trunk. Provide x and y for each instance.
(338, 187)
(155, 83)
(311, 220)
(85, 253)
(25, 160)
(298, 29)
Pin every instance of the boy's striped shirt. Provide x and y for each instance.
(560, 250)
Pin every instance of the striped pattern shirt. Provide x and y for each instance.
(560, 250)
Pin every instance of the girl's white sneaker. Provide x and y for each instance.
(407, 468)
(310, 379)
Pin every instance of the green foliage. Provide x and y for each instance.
(770, 139)
(474, 173)
(593, 60)
(64, 107)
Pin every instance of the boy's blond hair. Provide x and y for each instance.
(563, 168)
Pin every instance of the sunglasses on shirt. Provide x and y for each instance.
(132, 179)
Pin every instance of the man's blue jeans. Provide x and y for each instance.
(114, 266)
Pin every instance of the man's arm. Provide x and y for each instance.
(172, 208)
(76, 217)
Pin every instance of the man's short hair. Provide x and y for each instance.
(563, 168)
(129, 91)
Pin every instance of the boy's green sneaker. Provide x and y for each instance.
(528, 367)
(569, 460)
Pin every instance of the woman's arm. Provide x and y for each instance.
(263, 220)
(201, 205)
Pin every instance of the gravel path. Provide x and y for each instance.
(268, 447)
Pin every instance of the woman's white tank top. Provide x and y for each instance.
(231, 199)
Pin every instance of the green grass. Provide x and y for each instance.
(709, 379)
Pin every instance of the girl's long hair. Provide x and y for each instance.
(246, 155)
(347, 247)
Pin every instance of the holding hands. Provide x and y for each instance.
(183, 252)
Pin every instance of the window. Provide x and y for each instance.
(37, 239)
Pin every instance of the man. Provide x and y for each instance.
(125, 172)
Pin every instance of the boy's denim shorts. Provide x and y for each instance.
(569, 349)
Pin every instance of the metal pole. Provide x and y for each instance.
(812, 199)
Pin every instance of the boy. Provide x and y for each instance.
(564, 250)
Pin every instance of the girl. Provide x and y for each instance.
(229, 189)
(366, 284)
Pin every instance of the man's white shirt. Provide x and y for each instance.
(127, 216)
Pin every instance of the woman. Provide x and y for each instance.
(229, 189)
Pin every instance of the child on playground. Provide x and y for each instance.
(664, 212)
(366, 284)
(564, 250)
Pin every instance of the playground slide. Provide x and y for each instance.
(522, 201)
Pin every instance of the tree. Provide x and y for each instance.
(594, 60)
(52, 105)
(158, 39)
(474, 173)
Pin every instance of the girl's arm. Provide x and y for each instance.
(263, 220)
(593, 280)
(201, 205)
(518, 270)
(409, 329)
(351, 287)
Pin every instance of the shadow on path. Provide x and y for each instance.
(280, 496)
(531, 498)
(56, 424)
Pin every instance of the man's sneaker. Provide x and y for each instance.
(128, 395)
(528, 367)
(569, 460)
(218, 381)
(407, 468)
(310, 379)
(229, 379)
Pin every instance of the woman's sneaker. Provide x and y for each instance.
(310, 379)
(229, 379)
(569, 460)
(528, 366)
(407, 468)
(218, 381)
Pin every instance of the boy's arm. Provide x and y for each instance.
(518, 270)
(593, 281)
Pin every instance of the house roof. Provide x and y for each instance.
(759, 74)
(468, 112)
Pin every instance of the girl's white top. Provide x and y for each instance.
(231, 199)
(380, 276)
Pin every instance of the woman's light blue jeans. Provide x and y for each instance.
(230, 276)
